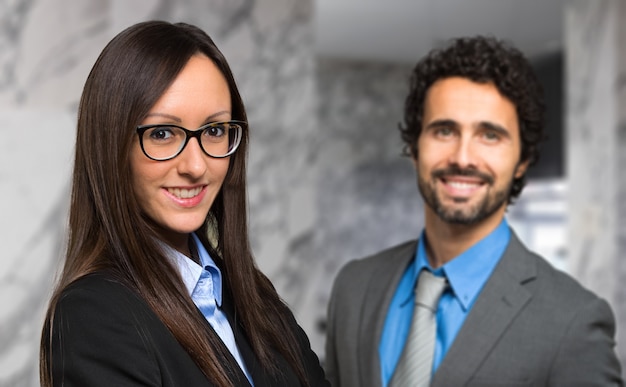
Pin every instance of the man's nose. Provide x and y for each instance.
(463, 153)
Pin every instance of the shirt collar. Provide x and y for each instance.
(190, 271)
(468, 272)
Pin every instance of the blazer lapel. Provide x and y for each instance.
(500, 301)
(380, 290)
(261, 377)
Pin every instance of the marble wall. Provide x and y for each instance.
(596, 144)
(367, 197)
(46, 50)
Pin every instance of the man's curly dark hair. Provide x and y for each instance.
(484, 60)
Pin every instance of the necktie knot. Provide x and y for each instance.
(429, 289)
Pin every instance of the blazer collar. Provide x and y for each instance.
(502, 298)
(378, 296)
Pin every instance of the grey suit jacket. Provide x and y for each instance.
(531, 325)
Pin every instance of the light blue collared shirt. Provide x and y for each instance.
(204, 284)
(466, 273)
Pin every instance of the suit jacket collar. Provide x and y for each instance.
(380, 291)
(502, 298)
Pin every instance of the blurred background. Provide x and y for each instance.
(324, 83)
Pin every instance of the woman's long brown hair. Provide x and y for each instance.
(107, 230)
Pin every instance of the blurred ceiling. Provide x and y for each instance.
(404, 30)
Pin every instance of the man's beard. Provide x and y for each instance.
(486, 207)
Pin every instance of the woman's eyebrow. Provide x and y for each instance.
(215, 115)
(165, 115)
(178, 120)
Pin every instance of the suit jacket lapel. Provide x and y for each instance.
(380, 290)
(500, 301)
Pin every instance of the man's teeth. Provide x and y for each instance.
(462, 185)
(184, 193)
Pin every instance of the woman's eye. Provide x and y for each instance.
(161, 134)
(215, 131)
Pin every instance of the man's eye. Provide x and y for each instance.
(443, 131)
(491, 135)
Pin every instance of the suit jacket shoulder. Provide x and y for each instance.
(356, 276)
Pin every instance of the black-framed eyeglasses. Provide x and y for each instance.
(162, 142)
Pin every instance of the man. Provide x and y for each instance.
(473, 123)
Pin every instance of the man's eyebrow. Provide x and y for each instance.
(442, 123)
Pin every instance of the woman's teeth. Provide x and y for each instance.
(184, 193)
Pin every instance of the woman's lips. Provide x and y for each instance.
(186, 197)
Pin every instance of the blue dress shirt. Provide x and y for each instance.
(204, 284)
(466, 273)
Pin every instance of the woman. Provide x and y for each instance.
(159, 287)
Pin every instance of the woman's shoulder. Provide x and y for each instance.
(103, 332)
(97, 284)
(99, 296)
(98, 280)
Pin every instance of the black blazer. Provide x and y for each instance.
(105, 335)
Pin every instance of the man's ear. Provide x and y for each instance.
(413, 156)
(521, 169)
